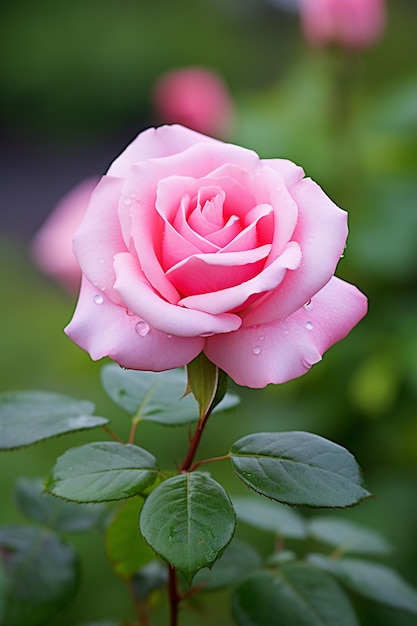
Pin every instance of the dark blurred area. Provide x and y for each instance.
(76, 84)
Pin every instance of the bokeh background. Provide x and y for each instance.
(76, 81)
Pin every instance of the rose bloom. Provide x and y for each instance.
(51, 248)
(190, 244)
(195, 97)
(350, 23)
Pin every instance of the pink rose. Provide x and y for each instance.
(52, 245)
(194, 97)
(350, 23)
(190, 244)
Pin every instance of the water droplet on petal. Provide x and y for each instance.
(142, 328)
(262, 338)
(129, 312)
(98, 299)
(257, 350)
(127, 201)
(309, 325)
(286, 331)
(308, 305)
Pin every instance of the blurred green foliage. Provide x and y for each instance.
(85, 68)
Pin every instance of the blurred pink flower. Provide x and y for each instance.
(195, 97)
(350, 23)
(52, 245)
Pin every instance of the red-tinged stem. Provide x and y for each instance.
(211, 460)
(174, 596)
(187, 465)
(194, 443)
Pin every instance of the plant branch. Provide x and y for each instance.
(174, 596)
(210, 460)
(112, 434)
(194, 443)
(132, 433)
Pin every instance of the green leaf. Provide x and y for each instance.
(39, 506)
(43, 575)
(203, 383)
(371, 580)
(295, 595)
(348, 536)
(125, 546)
(27, 417)
(270, 516)
(298, 468)
(155, 396)
(237, 562)
(100, 472)
(188, 520)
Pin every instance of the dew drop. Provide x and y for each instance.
(257, 350)
(127, 201)
(286, 331)
(142, 328)
(129, 312)
(98, 299)
(308, 305)
(262, 338)
(309, 325)
(255, 326)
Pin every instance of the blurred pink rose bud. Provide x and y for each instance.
(350, 23)
(194, 97)
(52, 245)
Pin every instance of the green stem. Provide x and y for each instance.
(112, 434)
(135, 422)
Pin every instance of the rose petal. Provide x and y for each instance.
(232, 298)
(291, 173)
(155, 143)
(140, 298)
(321, 232)
(99, 236)
(103, 328)
(212, 272)
(283, 350)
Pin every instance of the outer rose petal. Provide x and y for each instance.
(156, 142)
(290, 172)
(138, 296)
(283, 350)
(321, 232)
(99, 236)
(106, 329)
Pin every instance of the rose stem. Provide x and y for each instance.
(194, 443)
(174, 597)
